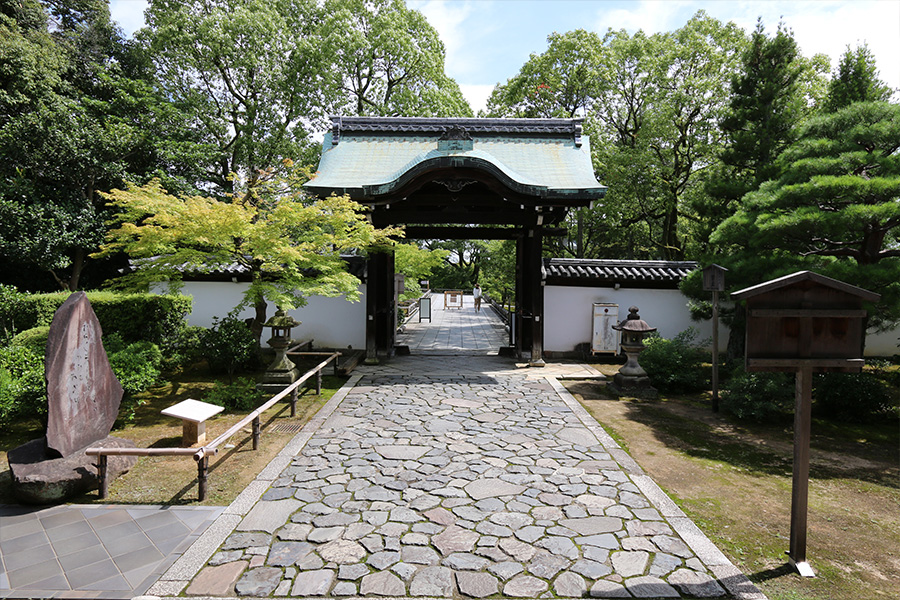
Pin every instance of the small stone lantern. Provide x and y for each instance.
(632, 380)
(282, 372)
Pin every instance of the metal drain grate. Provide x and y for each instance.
(286, 427)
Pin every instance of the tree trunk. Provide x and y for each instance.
(256, 325)
(671, 246)
(77, 268)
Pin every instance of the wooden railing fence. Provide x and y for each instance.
(202, 454)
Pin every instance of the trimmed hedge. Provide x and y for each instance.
(23, 390)
(136, 317)
(34, 338)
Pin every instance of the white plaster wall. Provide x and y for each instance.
(568, 314)
(331, 322)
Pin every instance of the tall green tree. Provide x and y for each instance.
(30, 61)
(855, 80)
(385, 59)
(834, 208)
(653, 106)
(251, 74)
(72, 123)
(560, 82)
(769, 98)
(684, 134)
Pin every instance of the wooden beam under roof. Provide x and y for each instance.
(473, 233)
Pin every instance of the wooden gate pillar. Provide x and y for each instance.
(380, 328)
(522, 333)
(530, 297)
(536, 283)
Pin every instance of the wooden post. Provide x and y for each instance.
(800, 483)
(372, 284)
(319, 382)
(202, 470)
(518, 328)
(715, 352)
(102, 474)
(535, 298)
(294, 395)
(256, 433)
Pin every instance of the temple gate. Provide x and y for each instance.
(460, 178)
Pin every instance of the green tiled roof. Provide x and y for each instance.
(368, 157)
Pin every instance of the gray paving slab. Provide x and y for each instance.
(404, 481)
(78, 551)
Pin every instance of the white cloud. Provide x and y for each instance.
(129, 14)
(476, 95)
(448, 18)
(836, 25)
(650, 16)
(819, 26)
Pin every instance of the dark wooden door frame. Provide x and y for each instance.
(529, 315)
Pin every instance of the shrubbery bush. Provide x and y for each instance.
(34, 339)
(758, 396)
(10, 298)
(239, 395)
(228, 345)
(676, 365)
(23, 390)
(183, 349)
(137, 367)
(852, 397)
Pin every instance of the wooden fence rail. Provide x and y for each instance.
(202, 454)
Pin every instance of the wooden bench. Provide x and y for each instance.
(193, 415)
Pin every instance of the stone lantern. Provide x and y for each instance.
(632, 380)
(282, 372)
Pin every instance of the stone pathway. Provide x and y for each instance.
(455, 331)
(456, 476)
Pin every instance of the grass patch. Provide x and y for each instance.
(173, 480)
(734, 479)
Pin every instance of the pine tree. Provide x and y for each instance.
(766, 105)
(855, 80)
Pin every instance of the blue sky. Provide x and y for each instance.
(487, 41)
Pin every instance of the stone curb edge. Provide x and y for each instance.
(735, 582)
(179, 575)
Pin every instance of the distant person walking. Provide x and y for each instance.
(477, 294)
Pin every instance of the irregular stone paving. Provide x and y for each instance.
(476, 484)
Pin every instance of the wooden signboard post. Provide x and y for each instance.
(804, 323)
(714, 281)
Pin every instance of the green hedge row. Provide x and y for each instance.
(136, 317)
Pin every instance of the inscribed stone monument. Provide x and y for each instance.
(83, 393)
(83, 398)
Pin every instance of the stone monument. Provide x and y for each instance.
(83, 397)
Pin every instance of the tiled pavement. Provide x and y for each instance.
(439, 476)
(93, 551)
